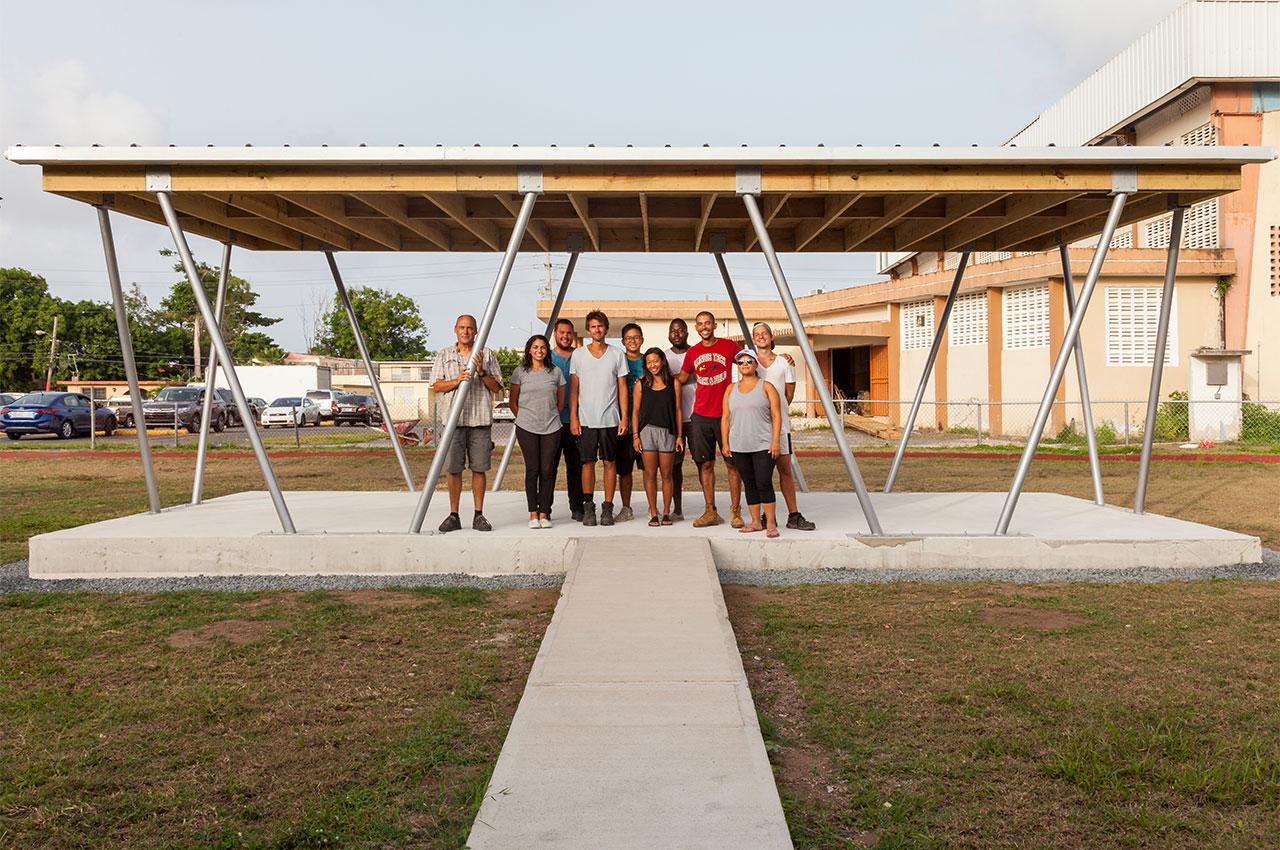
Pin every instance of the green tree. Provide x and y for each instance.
(508, 359)
(239, 320)
(25, 307)
(392, 327)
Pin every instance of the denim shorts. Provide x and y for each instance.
(472, 448)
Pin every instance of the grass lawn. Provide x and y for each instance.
(281, 720)
(47, 493)
(1007, 716)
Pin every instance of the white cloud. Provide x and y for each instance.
(61, 104)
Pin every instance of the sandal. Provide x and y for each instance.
(653, 521)
(773, 532)
(666, 519)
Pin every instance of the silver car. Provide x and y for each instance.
(289, 411)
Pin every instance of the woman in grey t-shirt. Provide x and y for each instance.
(537, 394)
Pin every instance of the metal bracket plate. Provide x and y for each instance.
(528, 179)
(158, 179)
(717, 243)
(1124, 180)
(748, 180)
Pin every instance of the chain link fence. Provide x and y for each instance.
(1253, 425)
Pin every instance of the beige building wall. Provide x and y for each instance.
(1262, 367)
(966, 381)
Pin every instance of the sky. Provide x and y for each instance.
(913, 72)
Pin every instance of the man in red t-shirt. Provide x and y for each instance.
(710, 364)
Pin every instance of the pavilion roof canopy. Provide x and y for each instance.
(662, 199)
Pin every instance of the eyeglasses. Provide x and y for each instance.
(633, 338)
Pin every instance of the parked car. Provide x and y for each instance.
(63, 414)
(288, 410)
(185, 406)
(122, 406)
(502, 412)
(8, 398)
(258, 405)
(357, 408)
(326, 401)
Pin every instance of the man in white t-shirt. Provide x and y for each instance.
(597, 415)
(678, 336)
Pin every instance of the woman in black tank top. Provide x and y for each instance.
(658, 431)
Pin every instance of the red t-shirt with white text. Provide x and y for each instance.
(710, 365)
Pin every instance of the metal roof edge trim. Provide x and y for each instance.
(870, 156)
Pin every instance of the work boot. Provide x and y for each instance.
(606, 513)
(625, 514)
(451, 523)
(709, 518)
(479, 523)
(589, 513)
(735, 517)
(799, 523)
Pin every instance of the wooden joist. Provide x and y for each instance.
(895, 209)
(455, 206)
(536, 229)
(580, 207)
(835, 206)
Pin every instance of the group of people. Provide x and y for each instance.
(624, 409)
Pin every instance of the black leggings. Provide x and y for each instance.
(756, 469)
(541, 451)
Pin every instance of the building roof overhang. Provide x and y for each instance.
(660, 199)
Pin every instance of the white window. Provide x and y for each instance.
(1123, 238)
(1026, 317)
(1133, 314)
(401, 373)
(1206, 135)
(917, 325)
(1200, 226)
(969, 320)
(990, 256)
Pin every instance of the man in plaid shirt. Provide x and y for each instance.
(472, 443)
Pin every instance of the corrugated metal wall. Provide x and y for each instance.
(1202, 39)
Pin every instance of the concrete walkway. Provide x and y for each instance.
(636, 728)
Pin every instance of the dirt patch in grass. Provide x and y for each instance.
(234, 632)
(1041, 619)
(1144, 718)
(339, 724)
(380, 599)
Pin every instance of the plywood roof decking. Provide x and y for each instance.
(640, 199)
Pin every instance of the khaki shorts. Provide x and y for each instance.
(472, 448)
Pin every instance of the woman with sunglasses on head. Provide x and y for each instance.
(658, 431)
(751, 427)
(537, 395)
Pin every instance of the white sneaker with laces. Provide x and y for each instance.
(533, 523)
(544, 523)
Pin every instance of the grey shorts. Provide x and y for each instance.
(784, 445)
(656, 439)
(472, 447)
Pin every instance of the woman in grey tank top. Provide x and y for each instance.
(751, 427)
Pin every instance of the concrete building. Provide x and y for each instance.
(1209, 74)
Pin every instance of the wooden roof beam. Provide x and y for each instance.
(536, 229)
(770, 206)
(708, 201)
(644, 220)
(209, 209)
(455, 206)
(896, 207)
(835, 206)
(1017, 208)
(396, 208)
(334, 208)
(270, 207)
(579, 203)
(908, 235)
(1076, 212)
(147, 208)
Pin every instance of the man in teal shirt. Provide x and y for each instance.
(632, 343)
(563, 337)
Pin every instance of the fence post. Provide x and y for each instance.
(175, 424)
(977, 416)
(1126, 423)
(93, 423)
(297, 441)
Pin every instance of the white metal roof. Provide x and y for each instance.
(353, 155)
(1201, 40)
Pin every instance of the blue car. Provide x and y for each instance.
(62, 414)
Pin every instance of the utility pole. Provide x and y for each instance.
(195, 348)
(53, 351)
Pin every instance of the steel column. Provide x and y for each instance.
(206, 412)
(1157, 359)
(737, 305)
(224, 357)
(126, 354)
(938, 333)
(482, 337)
(1060, 364)
(551, 323)
(1091, 438)
(811, 361)
(387, 423)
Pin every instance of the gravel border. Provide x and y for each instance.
(15, 579)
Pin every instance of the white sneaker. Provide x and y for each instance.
(533, 523)
(544, 523)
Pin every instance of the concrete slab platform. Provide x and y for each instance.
(344, 533)
(636, 728)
